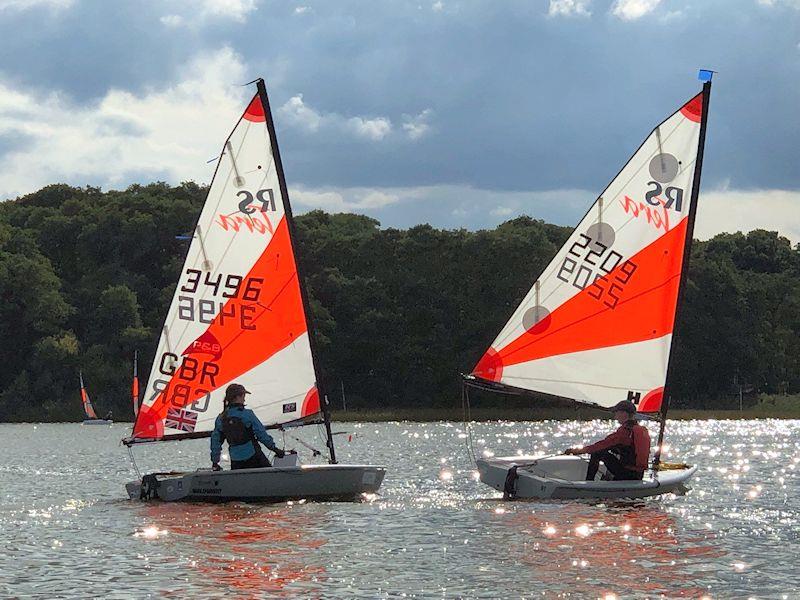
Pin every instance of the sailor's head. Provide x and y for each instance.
(624, 411)
(235, 393)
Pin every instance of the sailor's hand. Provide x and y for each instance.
(572, 451)
(216, 467)
(279, 453)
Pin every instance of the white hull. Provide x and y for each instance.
(270, 484)
(563, 477)
(98, 422)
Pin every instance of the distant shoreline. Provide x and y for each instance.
(769, 407)
(425, 415)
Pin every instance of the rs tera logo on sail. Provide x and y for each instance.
(663, 168)
(254, 209)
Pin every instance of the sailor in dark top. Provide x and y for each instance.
(625, 452)
(243, 431)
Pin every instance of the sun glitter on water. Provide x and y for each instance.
(583, 530)
(150, 532)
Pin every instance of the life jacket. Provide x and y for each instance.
(641, 446)
(235, 430)
(635, 454)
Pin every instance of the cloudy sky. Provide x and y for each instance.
(460, 113)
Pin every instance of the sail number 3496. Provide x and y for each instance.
(206, 310)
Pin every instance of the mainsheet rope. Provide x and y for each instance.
(467, 422)
(133, 462)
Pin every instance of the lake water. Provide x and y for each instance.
(67, 531)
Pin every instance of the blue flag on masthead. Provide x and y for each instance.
(705, 75)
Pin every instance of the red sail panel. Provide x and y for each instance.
(87, 405)
(645, 310)
(273, 322)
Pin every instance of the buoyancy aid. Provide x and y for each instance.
(634, 455)
(235, 430)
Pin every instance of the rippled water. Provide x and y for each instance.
(66, 529)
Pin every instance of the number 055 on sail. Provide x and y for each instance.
(240, 313)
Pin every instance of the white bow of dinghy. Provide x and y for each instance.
(563, 477)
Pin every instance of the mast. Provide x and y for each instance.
(323, 398)
(687, 250)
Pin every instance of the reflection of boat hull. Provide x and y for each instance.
(562, 477)
(271, 484)
(97, 422)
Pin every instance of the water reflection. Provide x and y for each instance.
(590, 546)
(434, 531)
(239, 548)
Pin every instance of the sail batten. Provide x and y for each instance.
(596, 326)
(237, 313)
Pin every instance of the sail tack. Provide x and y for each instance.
(597, 325)
(237, 313)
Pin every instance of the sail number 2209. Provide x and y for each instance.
(605, 274)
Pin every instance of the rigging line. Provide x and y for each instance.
(467, 422)
(314, 451)
(133, 462)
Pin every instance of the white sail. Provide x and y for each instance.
(237, 314)
(597, 325)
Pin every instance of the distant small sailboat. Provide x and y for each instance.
(135, 385)
(240, 314)
(91, 415)
(597, 325)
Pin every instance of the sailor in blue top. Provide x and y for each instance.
(242, 429)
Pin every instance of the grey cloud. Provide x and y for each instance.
(520, 100)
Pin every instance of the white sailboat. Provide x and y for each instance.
(597, 325)
(240, 314)
(88, 408)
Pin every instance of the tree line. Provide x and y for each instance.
(86, 277)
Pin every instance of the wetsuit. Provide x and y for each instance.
(624, 453)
